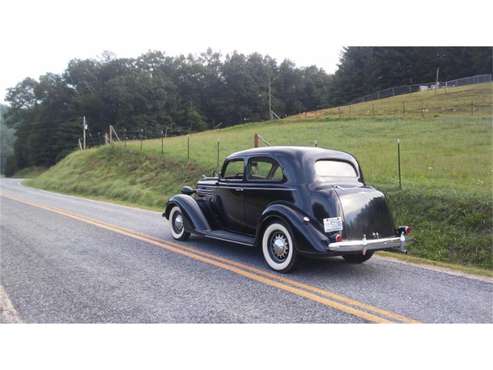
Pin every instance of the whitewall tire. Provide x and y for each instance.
(177, 224)
(278, 247)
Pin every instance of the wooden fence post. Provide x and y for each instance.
(256, 140)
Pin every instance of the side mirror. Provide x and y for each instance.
(187, 190)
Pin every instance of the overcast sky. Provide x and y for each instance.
(42, 36)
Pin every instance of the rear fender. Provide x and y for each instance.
(308, 239)
(195, 220)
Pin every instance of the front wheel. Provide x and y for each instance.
(278, 247)
(177, 224)
(357, 258)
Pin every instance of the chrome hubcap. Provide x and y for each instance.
(178, 223)
(280, 246)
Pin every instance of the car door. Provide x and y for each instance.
(229, 195)
(265, 183)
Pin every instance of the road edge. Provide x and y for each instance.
(8, 314)
(435, 266)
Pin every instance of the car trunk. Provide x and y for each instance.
(365, 212)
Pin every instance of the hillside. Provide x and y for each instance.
(446, 165)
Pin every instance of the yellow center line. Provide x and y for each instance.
(338, 297)
(327, 298)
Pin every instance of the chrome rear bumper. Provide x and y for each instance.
(365, 245)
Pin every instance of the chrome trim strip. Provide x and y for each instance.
(255, 188)
(246, 188)
(227, 240)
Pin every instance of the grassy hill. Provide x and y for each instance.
(446, 151)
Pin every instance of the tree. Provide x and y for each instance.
(188, 93)
(7, 140)
(364, 70)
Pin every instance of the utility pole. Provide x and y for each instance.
(270, 99)
(84, 128)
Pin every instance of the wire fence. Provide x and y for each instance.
(407, 89)
(424, 109)
(99, 137)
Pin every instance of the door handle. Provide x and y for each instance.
(238, 189)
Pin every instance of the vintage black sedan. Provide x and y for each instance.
(289, 201)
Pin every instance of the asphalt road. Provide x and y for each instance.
(69, 259)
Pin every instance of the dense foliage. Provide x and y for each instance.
(7, 139)
(143, 95)
(364, 70)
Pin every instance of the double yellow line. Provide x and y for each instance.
(329, 299)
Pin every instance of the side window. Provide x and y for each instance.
(264, 169)
(233, 170)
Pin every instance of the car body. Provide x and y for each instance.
(316, 199)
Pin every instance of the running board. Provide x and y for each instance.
(228, 236)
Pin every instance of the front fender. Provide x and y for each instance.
(193, 214)
(309, 240)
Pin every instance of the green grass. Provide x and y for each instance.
(29, 172)
(449, 151)
(447, 166)
(470, 100)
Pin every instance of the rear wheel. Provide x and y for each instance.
(358, 258)
(278, 247)
(177, 224)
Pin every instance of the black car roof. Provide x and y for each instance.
(294, 159)
(295, 152)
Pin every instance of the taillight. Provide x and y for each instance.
(405, 229)
(338, 238)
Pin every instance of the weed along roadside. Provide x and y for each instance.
(445, 195)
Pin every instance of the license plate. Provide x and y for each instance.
(332, 224)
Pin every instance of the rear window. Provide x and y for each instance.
(328, 168)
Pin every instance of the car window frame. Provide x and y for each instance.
(247, 172)
(225, 165)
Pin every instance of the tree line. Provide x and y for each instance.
(192, 93)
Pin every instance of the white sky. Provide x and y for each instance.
(42, 36)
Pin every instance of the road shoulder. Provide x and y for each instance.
(461, 271)
(8, 314)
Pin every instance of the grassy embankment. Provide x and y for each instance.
(446, 151)
(29, 172)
